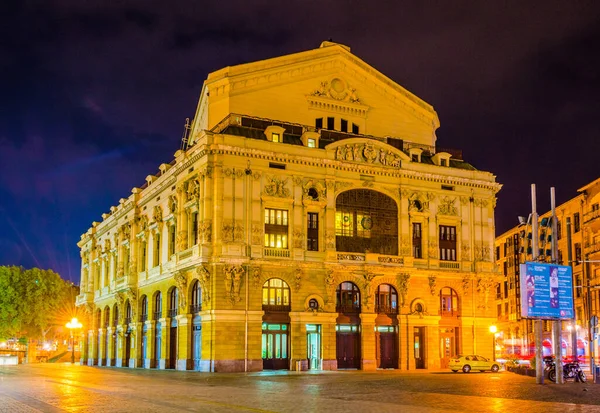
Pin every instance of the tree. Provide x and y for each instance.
(32, 301)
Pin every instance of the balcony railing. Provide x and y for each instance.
(157, 315)
(274, 308)
(590, 216)
(143, 318)
(127, 321)
(195, 308)
(172, 313)
(348, 308)
(276, 253)
(591, 248)
(386, 309)
(450, 265)
(449, 313)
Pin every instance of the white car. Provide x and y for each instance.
(473, 362)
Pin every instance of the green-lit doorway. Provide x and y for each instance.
(313, 346)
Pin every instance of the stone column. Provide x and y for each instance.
(164, 331)
(148, 358)
(368, 350)
(329, 343)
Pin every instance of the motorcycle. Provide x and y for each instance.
(571, 370)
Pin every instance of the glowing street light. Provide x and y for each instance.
(494, 330)
(71, 325)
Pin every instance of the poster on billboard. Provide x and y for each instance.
(546, 291)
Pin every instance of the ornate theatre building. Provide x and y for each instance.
(308, 222)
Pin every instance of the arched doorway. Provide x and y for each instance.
(115, 337)
(386, 334)
(196, 336)
(157, 352)
(97, 353)
(348, 326)
(276, 305)
(172, 313)
(143, 318)
(107, 334)
(127, 333)
(366, 221)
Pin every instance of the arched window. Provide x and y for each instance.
(173, 302)
(106, 317)
(386, 299)
(449, 303)
(144, 309)
(115, 315)
(158, 306)
(276, 295)
(366, 221)
(196, 299)
(99, 318)
(128, 313)
(348, 298)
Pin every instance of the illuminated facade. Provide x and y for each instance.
(514, 247)
(308, 222)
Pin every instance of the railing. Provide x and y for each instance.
(590, 216)
(591, 248)
(276, 253)
(450, 265)
(386, 309)
(449, 313)
(348, 308)
(143, 318)
(274, 308)
(157, 315)
(195, 308)
(127, 321)
(172, 312)
(345, 256)
(185, 254)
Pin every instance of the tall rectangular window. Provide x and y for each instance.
(447, 243)
(312, 232)
(143, 248)
(319, 123)
(344, 125)
(156, 255)
(331, 123)
(577, 253)
(275, 137)
(417, 240)
(355, 128)
(172, 240)
(276, 228)
(194, 231)
(576, 222)
(558, 230)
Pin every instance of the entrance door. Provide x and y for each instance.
(419, 347)
(127, 347)
(388, 354)
(313, 346)
(144, 344)
(107, 343)
(157, 345)
(172, 347)
(446, 346)
(275, 347)
(348, 347)
(196, 344)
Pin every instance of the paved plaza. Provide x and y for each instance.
(74, 388)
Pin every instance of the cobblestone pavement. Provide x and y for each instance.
(74, 388)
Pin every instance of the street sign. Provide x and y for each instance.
(546, 291)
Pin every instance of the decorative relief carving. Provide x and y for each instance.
(233, 281)
(298, 237)
(233, 232)
(466, 283)
(133, 268)
(157, 215)
(482, 252)
(484, 285)
(403, 284)
(432, 284)
(337, 89)
(447, 207)
(298, 278)
(125, 231)
(367, 153)
(204, 280)
(257, 234)
(172, 204)
(433, 249)
(368, 184)
(193, 190)
(120, 271)
(330, 241)
(182, 241)
(313, 190)
(405, 246)
(255, 274)
(205, 231)
(465, 250)
(142, 222)
(276, 186)
(350, 257)
(342, 185)
(330, 285)
(464, 200)
(418, 201)
(181, 282)
(390, 260)
(368, 283)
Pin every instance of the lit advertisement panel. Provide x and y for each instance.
(546, 291)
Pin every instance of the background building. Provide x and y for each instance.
(308, 221)
(515, 335)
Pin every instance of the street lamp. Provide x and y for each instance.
(71, 325)
(494, 330)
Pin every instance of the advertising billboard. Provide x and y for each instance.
(546, 291)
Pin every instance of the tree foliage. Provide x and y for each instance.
(32, 301)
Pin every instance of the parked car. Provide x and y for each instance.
(473, 362)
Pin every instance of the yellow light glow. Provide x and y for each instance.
(493, 329)
(74, 323)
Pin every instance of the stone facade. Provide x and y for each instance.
(309, 221)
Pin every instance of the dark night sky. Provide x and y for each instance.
(94, 94)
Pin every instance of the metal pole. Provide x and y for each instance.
(539, 365)
(72, 348)
(570, 263)
(589, 315)
(556, 324)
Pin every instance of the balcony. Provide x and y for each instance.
(386, 309)
(172, 313)
(195, 308)
(592, 248)
(348, 308)
(143, 318)
(449, 313)
(449, 265)
(157, 315)
(127, 321)
(274, 308)
(276, 253)
(592, 220)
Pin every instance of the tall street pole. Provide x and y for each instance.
(570, 262)
(556, 324)
(539, 365)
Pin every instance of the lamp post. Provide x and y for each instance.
(71, 325)
(494, 330)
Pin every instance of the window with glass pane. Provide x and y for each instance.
(417, 241)
(276, 228)
(312, 232)
(386, 299)
(576, 222)
(348, 298)
(447, 243)
(276, 295)
(448, 302)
